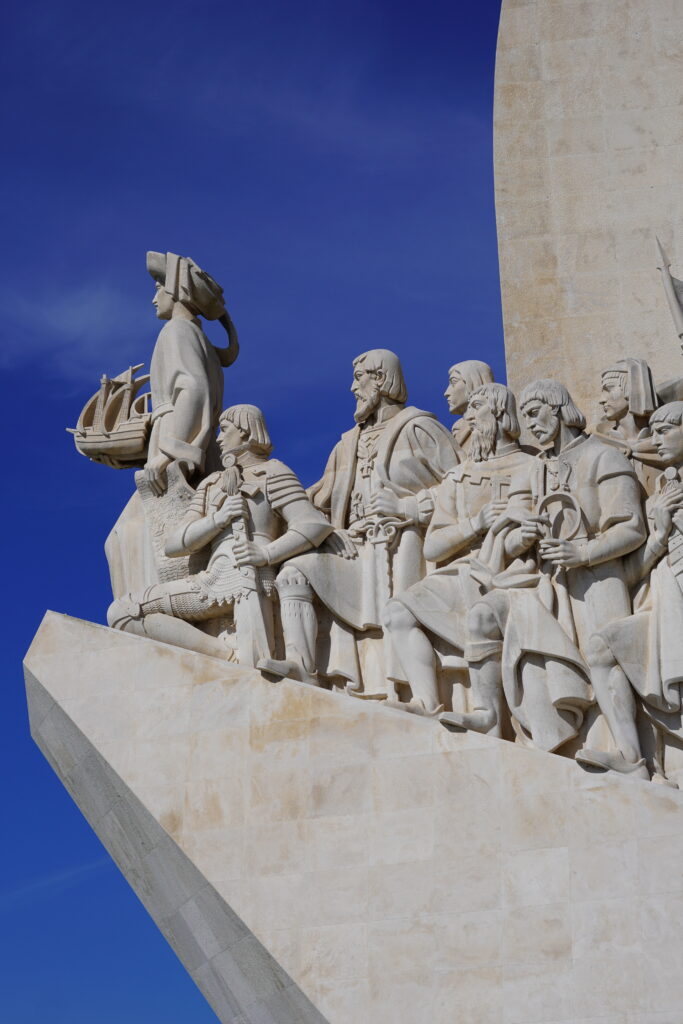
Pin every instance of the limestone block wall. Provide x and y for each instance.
(588, 141)
(314, 857)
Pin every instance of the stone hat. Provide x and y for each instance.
(182, 278)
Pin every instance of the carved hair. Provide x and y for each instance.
(551, 392)
(474, 373)
(503, 405)
(672, 412)
(250, 421)
(381, 359)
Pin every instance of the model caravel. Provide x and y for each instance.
(114, 425)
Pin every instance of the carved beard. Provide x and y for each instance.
(483, 439)
(366, 404)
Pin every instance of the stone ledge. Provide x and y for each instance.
(303, 850)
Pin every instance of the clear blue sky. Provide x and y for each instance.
(330, 163)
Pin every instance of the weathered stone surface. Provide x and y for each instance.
(303, 849)
(588, 162)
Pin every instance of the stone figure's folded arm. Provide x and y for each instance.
(191, 536)
(306, 528)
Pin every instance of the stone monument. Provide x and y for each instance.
(406, 747)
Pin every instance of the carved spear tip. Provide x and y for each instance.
(664, 263)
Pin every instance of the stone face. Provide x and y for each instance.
(588, 161)
(311, 857)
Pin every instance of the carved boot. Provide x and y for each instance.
(485, 676)
(613, 762)
(300, 628)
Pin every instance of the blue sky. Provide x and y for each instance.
(330, 163)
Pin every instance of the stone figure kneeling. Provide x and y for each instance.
(250, 516)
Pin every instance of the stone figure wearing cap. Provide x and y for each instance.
(628, 398)
(186, 383)
(186, 371)
(529, 634)
(643, 653)
(248, 517)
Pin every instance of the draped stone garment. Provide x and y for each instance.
(414, 453)
(555, 619)
(649, 644)
(442, 600)
(186, 381)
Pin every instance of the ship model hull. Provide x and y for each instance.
(115, 423)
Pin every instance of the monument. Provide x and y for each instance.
(406, 746)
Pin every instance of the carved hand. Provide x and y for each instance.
(385, 503)
(339, 543)
(488, 515)
(562, 553)
(663, 510)
(233, 507)
(248, 553)
(155, 474)
(533, 529)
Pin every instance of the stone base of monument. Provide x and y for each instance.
(315, 858)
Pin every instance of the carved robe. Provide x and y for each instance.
(411, 453)
(186, 380)
(442, 600)
(649, 644)
(553, 620)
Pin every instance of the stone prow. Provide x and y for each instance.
(314, 858)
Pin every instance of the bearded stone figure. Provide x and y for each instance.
(530, 632)
(376, 493)
(473, 505)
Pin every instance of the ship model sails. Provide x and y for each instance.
(114, 426)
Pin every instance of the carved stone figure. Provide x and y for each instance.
(186, 383)
(375, 491)
(536, 626)
(470, 501)
(628, 398)
(463, 379)
(251, 516)
(186, 371)
(644, 651)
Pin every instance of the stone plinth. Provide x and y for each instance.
(588, 167)
(312, 857)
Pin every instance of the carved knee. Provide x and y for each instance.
(482, 623)
(122, 612)
(291, 583)
(597, 653)
(397, 617)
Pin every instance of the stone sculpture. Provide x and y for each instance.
(375, 491)
(643, 652)
(463, 379)
(470, 505)
(186, 384)
(252, 515)
(186, 371)
(536, 625)
(628, 398)
(549, 578)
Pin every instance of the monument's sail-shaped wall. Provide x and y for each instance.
(588, 168)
